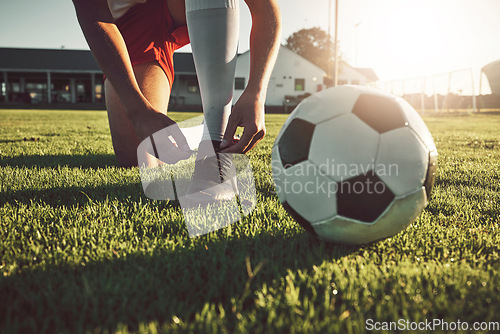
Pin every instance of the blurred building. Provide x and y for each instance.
(294, 78)
(72, 79)
(38, 76)
(492, 73)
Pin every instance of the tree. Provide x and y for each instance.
(314, 45)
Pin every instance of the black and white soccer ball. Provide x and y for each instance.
(354, 165)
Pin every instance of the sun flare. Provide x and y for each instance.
(409, 36)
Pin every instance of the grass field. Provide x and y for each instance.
(83, 250)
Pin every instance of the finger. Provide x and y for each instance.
(257, 138)
(180, 155)
(229, 133)
(179, 137)
(231, 144)
(175, 154)
(171, 154)
(245, 140)
(166, 147)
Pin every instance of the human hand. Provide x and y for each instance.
(248, 113)
(168, 142)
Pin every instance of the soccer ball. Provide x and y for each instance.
(354, 165)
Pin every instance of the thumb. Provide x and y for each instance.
(229, 134)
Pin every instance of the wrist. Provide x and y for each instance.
(256, 94)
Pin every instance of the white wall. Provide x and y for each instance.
(349, 76)
(289, 66)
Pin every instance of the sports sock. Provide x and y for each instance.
(213, 27)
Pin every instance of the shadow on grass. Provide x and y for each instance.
(71, 196)
(160, 287)
(78, 160)
(129, 289)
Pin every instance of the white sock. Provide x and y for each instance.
(213, 27)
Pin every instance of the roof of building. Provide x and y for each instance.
(284, 48)
(368, 73)
(184, 63)
(47, 60)
(18, 59)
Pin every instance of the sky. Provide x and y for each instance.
(396, 38)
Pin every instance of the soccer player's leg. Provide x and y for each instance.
(151, 35)
(213, 30)
(156, 88)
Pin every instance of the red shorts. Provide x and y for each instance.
(148, 31)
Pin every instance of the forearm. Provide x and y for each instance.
(264, 44)
(110, 51)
